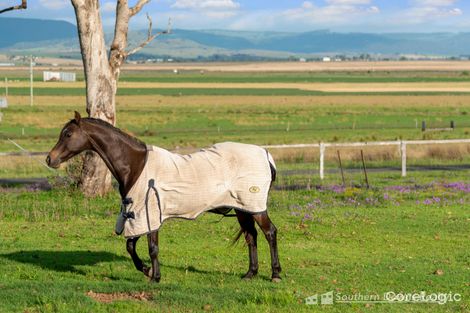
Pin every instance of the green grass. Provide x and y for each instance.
(167, 116)
(167, 76)
(57, 246)
(294, 77)
(171, 122)
(65, 91)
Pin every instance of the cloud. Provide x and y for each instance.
(108, 7)
(348, 2)
(54, 4)
(213, 9)
(421, 14)
(336, 11)
(206, 4)
(434, 3)
(307, 5)
(426, 10)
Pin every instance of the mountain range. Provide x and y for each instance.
(20, 36)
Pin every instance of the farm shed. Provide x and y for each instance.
(59, 76)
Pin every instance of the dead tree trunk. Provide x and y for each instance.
(101, 75)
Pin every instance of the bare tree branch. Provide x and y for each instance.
(117, 50)
(150, 37)
(136, 8)
(21, 6)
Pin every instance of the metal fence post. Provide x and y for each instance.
(322, 160)
(403, 158)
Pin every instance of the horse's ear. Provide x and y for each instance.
(77, 117)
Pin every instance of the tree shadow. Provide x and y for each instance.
(62, 261)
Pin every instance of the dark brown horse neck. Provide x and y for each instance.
(124, 155)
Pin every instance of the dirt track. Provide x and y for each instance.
(314, 66)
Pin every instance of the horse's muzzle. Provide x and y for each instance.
(51, 163)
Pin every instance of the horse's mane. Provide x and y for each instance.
(112, 128)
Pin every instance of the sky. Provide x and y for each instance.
(278, 15)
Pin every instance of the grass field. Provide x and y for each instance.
(202, 120)
(191, 76)
(58, 252)
(57, 247)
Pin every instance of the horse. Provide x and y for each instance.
(126, 157)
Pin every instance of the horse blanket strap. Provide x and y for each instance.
(227, 175)
(124, 214)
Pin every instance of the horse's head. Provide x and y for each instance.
(72, 141)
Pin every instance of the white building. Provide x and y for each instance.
(3, 102)
(59, 76)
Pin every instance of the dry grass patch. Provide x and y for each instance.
(157, 101)
(116, 296)
(22, 164)
(355, 66)
(453, 152)
(327, 87)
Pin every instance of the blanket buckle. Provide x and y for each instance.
(124, 215)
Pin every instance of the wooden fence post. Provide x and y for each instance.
(341, 168)
(365, 169)
(403, 158)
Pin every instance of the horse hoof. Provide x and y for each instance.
(146, 271)
(155, 280)
(276, 279)
(249, 275)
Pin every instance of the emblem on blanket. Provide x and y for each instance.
(254, 189)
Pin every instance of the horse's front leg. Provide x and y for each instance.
(139, 265)
(153, 252)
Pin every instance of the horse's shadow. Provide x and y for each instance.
(68, 261)
(62, 261)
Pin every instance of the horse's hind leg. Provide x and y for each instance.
(248, 229)
(270, 231)
(153, 252)
(131, 245)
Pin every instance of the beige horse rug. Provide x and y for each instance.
(227, 175)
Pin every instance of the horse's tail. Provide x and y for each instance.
(237, 236)
(272, 166)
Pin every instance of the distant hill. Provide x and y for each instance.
(324, 41)
(17, 30)
(59, 38)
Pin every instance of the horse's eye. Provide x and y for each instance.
(68, 134)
